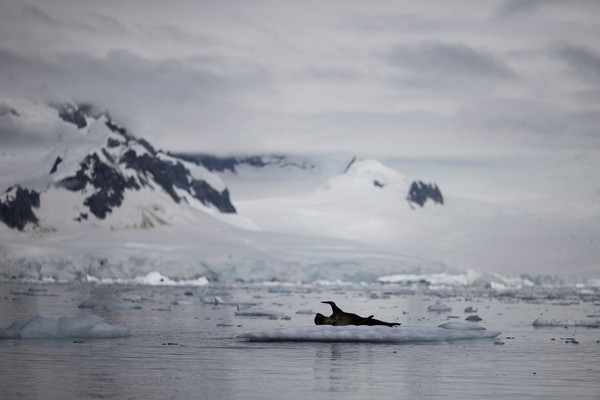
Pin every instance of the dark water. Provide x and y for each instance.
(191, 350)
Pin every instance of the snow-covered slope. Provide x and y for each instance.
(86, 199)
(96, 173)
(356, 199)
(80, 195)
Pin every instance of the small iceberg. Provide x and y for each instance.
(462, 326)
(552, 322)
(259, 312)
(470, 309)
(439, 307)
(374, 334)
(305, 312)
(85, 326)
(110, 305)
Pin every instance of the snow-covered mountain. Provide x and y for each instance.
(81, 197)
(97, 173)
(87, 199)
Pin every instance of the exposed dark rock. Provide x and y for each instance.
(171, 175)
(17, 212)
(147, 146)
(165, 173)
(78, 181)
(378, 184)
(208, 195)
(222, 164)
(109, 185)
(419, 193)
(211, 163)
(112, 143)
(58, 161)
(72, 114)
(350, 164)
(82, 216)
(119, 129)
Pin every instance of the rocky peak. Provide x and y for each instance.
(420, 192)
(16, 207)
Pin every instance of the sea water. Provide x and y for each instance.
(183, 348)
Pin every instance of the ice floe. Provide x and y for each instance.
(553, 322)
(110, 305)
(466, 326)
(254, 311)
(85, 326)
(351, 333)
(439, 307)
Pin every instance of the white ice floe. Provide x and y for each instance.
(259, 312)
(384, 334)
(85, 326)
(553, 322)
(438, 307)
(157, 279)
(110, 305)
(457, 325)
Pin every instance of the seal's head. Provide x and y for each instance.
(320, 319)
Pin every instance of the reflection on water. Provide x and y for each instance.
(190, 350)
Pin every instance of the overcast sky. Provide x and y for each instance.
(378, 77)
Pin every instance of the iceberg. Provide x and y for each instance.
(85, 326)
(552, 322)
(438, 307)
(376, 334)
(110, 305)
(259, 312)
(466, 326)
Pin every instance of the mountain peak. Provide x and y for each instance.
(98, 167)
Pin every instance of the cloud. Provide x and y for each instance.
(439, 59)
(582, 61)
(521, 8)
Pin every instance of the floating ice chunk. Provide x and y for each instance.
(553, 322)
(470, 309)
(212, 300)
(259, 312)
(466, 326)
(351, 333)
(157, 279)
(110, 305)
(85, 326)
(474, 318)
(181, 303)
(439, 307)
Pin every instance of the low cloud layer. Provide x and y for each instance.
(381, 78)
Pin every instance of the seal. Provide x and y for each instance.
(341, 318)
